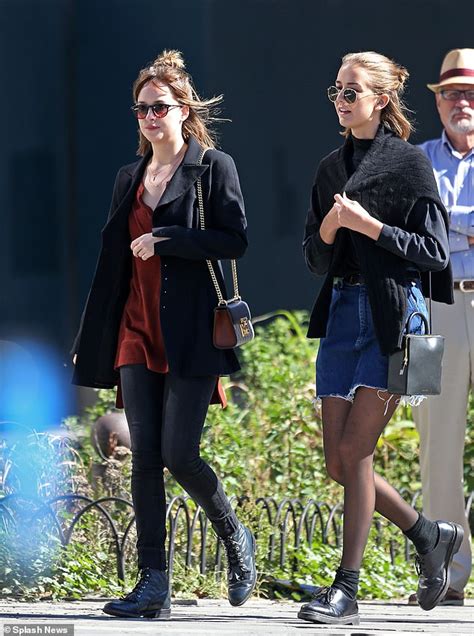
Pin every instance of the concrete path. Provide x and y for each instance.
(257, 617)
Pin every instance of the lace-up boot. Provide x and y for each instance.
(241, 571)
(149, 598)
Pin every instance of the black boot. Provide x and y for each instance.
(149, 598)
(241, 571)
(331, 606)
(433, 567)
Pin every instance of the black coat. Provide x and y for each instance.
(188, 296)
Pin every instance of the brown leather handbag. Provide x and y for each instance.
(232, 320)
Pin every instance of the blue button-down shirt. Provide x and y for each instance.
(454, 175)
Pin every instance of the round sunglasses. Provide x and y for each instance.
(159, 109)
(349, 95)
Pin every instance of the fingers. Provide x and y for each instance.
(140, 251)
(343, 200)
(138, 247)
(143, 254)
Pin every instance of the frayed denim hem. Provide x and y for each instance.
(317, 400)
(349, 397)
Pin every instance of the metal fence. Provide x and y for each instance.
(281, 527)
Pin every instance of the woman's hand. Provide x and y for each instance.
(352, 215)
(144, 246)
(330, 225)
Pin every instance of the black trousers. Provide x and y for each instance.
(165, 415)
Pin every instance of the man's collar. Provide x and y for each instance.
(450, 148)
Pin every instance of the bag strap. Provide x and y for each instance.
(423, 318)
(210, 266)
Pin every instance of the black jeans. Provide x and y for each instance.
(165, 415)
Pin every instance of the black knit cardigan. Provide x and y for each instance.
(391, 178)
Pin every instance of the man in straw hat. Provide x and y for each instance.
(441, 420)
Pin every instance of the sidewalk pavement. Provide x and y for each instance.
(257, 617)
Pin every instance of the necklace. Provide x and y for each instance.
(164, 170)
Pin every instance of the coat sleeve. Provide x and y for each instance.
(316, 252)
(116, 197)
(427, 246)
(225, 235)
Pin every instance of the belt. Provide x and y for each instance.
(358, 279)
(350, 279)
(464, 285)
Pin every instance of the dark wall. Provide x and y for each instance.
(67, 69)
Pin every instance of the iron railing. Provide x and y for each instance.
(281, 527)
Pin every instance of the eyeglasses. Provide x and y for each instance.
(159, 109)
(349, 95)
(454, 95)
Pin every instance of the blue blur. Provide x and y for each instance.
(35, 389)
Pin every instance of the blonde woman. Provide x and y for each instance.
(147, 325)
(375, 227)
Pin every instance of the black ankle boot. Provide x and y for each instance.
(149, 598)
(241, 571)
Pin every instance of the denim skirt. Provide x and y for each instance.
(349, 355)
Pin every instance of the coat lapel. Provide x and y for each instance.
(186, 174)
(184, 178)
(129, 184)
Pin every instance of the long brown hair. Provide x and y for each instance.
(169, 69)
(386, 76)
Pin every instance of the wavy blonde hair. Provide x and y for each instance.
(386, 76)
(169, 68)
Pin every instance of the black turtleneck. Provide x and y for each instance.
(359, 148)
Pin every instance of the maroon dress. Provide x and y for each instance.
(140, 339)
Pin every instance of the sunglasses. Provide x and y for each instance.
(349, 95)
(159, 110)
(454, 95)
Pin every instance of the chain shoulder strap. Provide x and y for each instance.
(210, 266)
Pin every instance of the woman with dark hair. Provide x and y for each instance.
(148, 321)
(375, 228)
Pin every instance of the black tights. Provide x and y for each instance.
(350, 432)
(165, 415)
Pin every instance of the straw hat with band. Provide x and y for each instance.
(457, 68)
